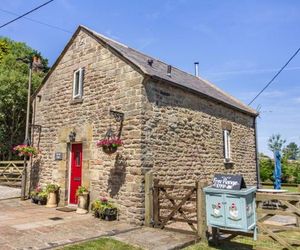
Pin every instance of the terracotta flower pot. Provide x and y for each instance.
(82, 203)
(52, 200)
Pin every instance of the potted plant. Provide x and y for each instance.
(52, 190)
(39, 196)
(42, 197)
(25, 150)
(34, 195)
(82, 194)
(95, 207)
(105, 209)
(110, 145)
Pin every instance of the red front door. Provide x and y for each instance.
(76, 171)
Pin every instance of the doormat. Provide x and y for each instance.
(66, 209)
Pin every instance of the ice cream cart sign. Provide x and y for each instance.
(230, 182)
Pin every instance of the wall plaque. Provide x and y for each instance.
(58, 156)
(231, 182)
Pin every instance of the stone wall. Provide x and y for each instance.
(183, 137)
(169, 130)
(109, 83)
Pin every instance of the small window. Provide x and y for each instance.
(78, 84)
(226, 135)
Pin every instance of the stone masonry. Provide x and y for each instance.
(167, 129)
(183, 137)
(109, 83)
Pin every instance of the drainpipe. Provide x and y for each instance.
(256, 154)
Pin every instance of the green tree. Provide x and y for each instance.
(4, 48)
(275, 143)
(13, 93)
(266, 167)
(291, 151)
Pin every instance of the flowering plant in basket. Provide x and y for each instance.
(39, 196)
(111, 142)
(25, 150)
(110, 145)
(105, 209)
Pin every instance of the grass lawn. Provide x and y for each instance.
(246, 243)
(290, 189)
(101, 244)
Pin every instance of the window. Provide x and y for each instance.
(226, 135)
(78, 84)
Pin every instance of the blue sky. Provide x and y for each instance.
(239, 44)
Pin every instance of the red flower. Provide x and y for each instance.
(103, 199)
(113, 142)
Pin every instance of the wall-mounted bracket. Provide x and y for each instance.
(119, 117)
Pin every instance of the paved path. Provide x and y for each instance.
(9, 192)
(28, 226)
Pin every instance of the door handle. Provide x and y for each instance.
(77, 178)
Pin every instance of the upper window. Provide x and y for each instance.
(78, 84)
(227, 154)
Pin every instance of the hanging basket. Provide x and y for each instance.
(109, 146)
(109, 149)
(110, 142)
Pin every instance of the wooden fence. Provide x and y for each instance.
(165, 204)
(269, 205)
(11, 172)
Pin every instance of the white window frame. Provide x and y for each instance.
(80, 84)
(227, 148)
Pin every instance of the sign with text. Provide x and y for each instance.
(58, 156)
(231, 182)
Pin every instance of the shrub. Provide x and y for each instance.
(51, 188)
(81, 190)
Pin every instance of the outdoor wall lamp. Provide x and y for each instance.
(72, 136)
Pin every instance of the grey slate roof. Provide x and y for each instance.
(178, 77)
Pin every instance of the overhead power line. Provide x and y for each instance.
(274, 77)
(25, 14)
(37, 21)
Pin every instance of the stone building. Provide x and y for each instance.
(180, 126)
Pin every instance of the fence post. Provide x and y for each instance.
(148, 198)
(156, 202)
(201, 211)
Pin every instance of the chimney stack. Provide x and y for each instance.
(196, 69)
(169, 70)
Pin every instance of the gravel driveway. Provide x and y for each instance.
(9, 192)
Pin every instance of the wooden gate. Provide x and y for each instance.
(175, 207)
(269, 205)
(164, 198)
(11, 172)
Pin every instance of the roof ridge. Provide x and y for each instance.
(183, 78)
(103, 36)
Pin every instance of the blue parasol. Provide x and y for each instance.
(277, 171)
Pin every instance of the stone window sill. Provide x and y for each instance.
(76, 101)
